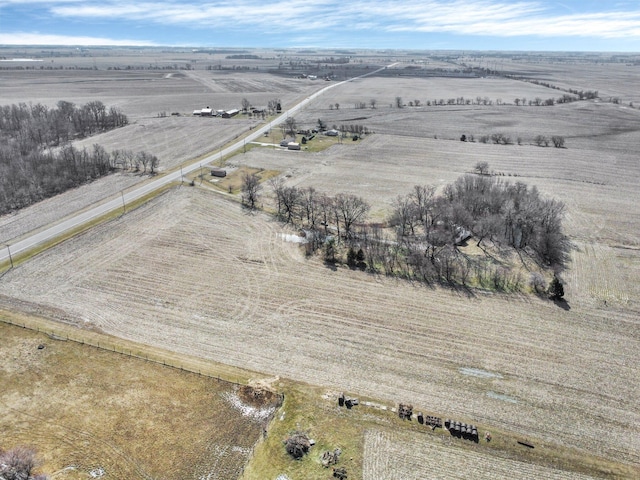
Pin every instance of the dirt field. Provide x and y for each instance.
(194, 273)
(96, 414)
(142, 95)
(406, 456)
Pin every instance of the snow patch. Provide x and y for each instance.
(97, 472)
(248, 410)
(477, 372)
(500, 396)
(288, 237)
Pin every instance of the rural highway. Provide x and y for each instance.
(118, 202)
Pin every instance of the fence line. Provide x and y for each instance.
(111, 347)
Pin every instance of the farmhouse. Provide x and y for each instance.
(204, 112)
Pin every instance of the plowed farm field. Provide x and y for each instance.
(404, 456)
(193, 272)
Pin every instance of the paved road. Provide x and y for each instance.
(117, 202)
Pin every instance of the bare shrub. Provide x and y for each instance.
(18, 464)
(297, 444)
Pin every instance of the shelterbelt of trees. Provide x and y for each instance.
(37, 159)
(421, 239)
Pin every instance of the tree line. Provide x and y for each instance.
(420, 239)
(35, 126)
(38, 161)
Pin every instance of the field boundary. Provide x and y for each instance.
(64, 332)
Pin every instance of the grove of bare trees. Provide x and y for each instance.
(37, 159)
(422, 237)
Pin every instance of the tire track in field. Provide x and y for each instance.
(78, 437)
(290, 316)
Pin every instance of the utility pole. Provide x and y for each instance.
(124, 208)
(9, 251)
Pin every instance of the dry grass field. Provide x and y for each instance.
(91, 413)
(194, 273)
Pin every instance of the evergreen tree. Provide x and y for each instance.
(556, 289)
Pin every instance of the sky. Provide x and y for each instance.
(570, 25)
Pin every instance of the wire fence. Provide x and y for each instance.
(105, 344)
(91, 339)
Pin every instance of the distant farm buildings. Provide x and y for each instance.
(209, 112)
(230, 113)
(204, 112)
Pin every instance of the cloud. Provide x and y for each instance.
(494, 18)
(21, 38)
(479, 17)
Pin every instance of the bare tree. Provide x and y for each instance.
(557, 141)
(399, 102)
(154, 162)
(310, 205)
(245, 104)
(144, 159)
(541, 140)
(423, 196)
(405, 215)
(482, 168)
(290, 126)
(373, 102)
(350, 209)
(251, 188)
(277, 184)
(290, 203)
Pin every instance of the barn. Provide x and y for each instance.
(230, 113)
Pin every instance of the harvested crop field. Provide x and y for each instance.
(411, 456)
(91, 413)
(194, 273)
(145, 93)
(141, 95)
